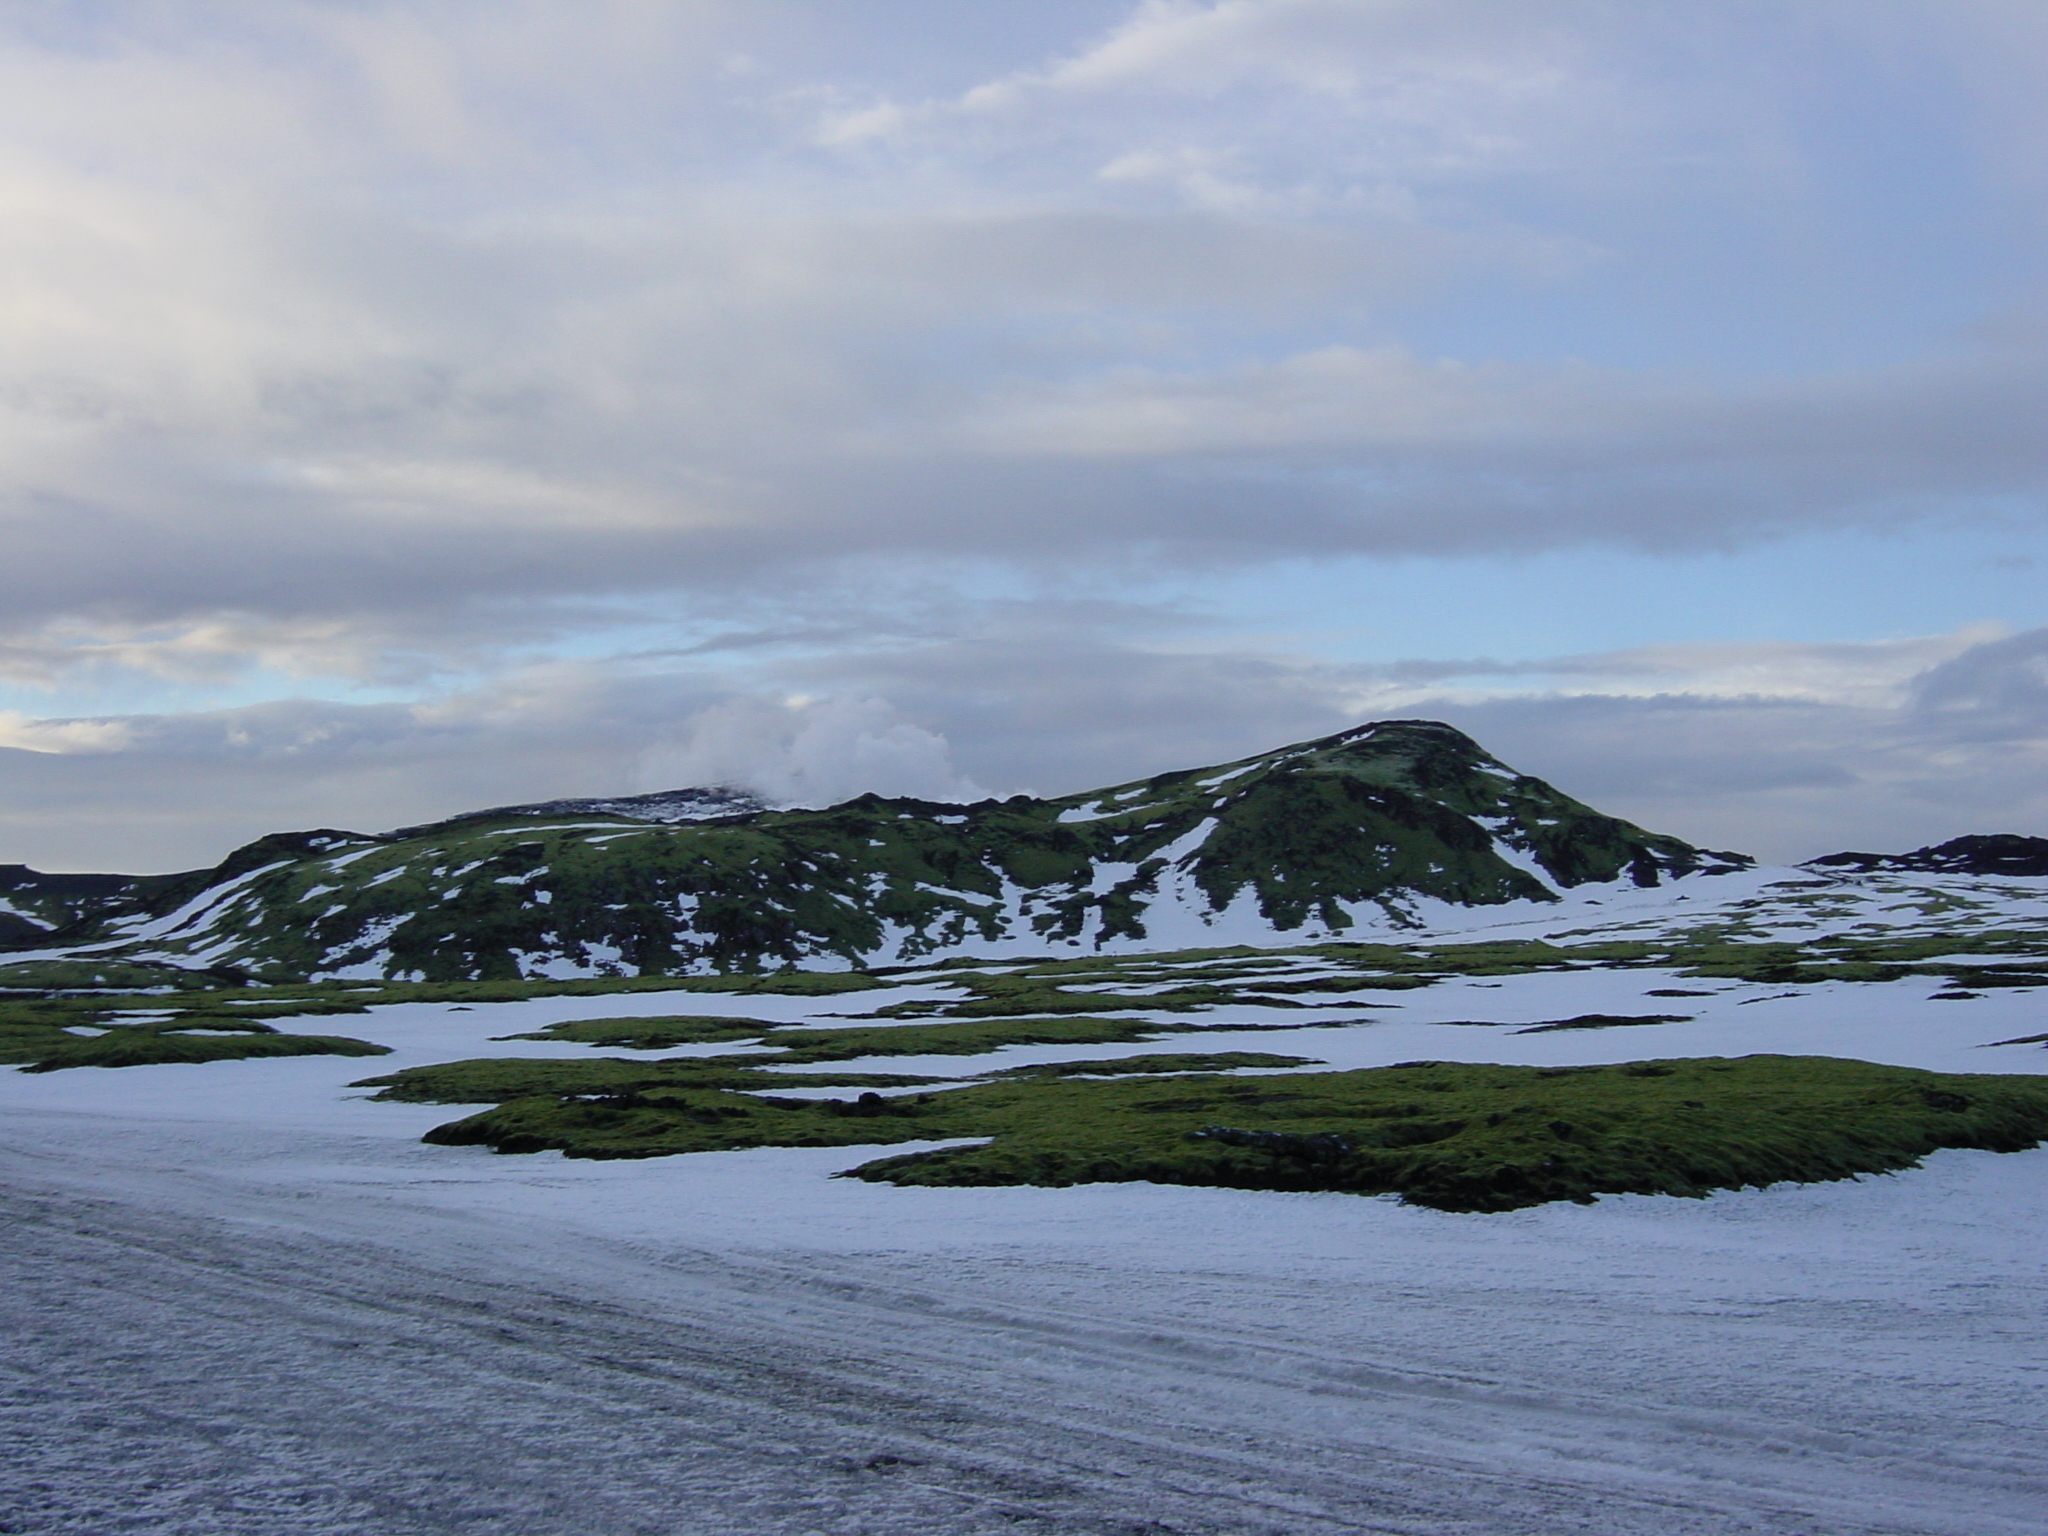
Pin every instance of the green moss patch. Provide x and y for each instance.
(1005, 996)
(493, 1080)
(40, 1030)
(1452, 1136)
(35, 1027)
(1605, 1021)
(1129, 1066)
(963, 1038)
(976, 1038)
(36, 976)
(144, 1046)
(652, 1034)
(778, 983)
(1580, 1021)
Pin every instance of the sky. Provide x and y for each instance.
(411, 407)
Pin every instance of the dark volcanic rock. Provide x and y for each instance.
(2000, 853)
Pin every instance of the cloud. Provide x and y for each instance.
(63, 737)
(387, 328)
(1992, 692)
(1426, 90)
(1878, 673)
(1782, 751)
(154, 792)
(809, 752)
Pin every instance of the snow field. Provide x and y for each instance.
(297, 1320)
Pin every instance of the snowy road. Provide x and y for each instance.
(230, 1332)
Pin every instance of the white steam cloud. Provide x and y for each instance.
(809, 752)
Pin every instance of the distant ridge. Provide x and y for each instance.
(1997, 853)
(34, 906)
(665, 806)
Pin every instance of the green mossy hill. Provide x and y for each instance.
(39, 908)
(1396, 806)
(1377, 817)
(146, 1046)
(1453, 1136)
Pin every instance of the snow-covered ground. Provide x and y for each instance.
(243, 1299)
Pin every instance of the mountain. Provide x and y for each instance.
(2000, 853)
(667, 806)
(35, 905)
(1359, 831)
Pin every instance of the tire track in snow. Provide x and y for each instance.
(176, 1373)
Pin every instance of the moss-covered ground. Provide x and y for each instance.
(49, 1000)
(970, 1037)
(1466, 1137)
(1731, 947)
(658, 1032)
(1165, 1062)
(500, 1079)
(1602, 1021)
(1312, 975)
(973, 1037)
(147, 1045)
(1453, 1136)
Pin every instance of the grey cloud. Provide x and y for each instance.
(1056, 714)
(182, 790)
(1964, 750)
(1788, 781)
(385, 354)
(1993, 691)
(1022, 708)
(1785, 778)
(407, 343)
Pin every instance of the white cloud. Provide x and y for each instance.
(809, 752)
(1446, 87)
(63, 737)
(387, 318)
(1878, 674)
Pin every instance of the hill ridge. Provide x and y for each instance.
(1370, 828)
